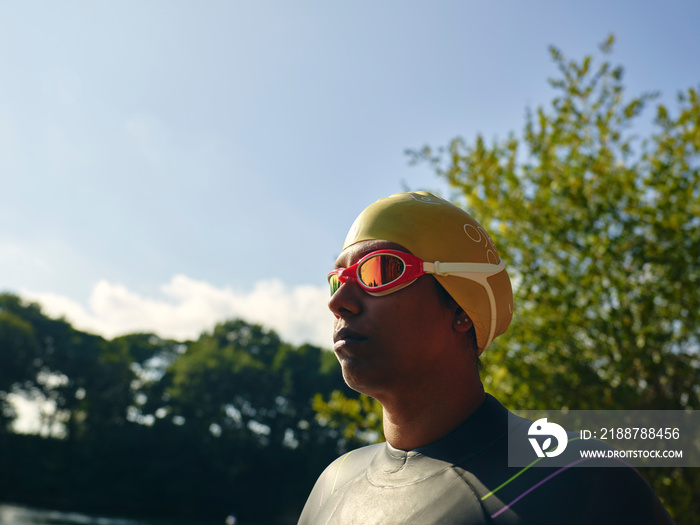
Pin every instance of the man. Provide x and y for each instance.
(418, 293)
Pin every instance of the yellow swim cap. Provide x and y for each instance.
(435, 230)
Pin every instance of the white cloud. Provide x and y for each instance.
(189, 307)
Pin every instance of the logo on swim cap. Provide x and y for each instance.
(428, 199)
(542, 428)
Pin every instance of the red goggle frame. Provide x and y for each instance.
(380, 272)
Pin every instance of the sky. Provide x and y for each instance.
(166, 165)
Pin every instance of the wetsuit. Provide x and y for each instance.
(464, 478)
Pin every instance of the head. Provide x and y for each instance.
(436, 230)
(409, 329)
(397, 341)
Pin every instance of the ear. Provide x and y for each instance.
(462, 323)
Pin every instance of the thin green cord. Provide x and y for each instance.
(338, 471)
(518, 474)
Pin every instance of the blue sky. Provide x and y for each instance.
(168, 164)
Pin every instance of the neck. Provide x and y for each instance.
(427, 417)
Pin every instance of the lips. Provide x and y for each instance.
(346, 336)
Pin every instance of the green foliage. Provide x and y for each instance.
(15, 334)
(196, 429)
(358, 418)
(242, 381)
(600, 231)
(53, 363)
(602, 238)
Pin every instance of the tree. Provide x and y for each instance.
(600, 230)
(78, 380)
(18, 347)
(241, 399)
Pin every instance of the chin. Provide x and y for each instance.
(354, 378)
(352, 381)
(362, 383)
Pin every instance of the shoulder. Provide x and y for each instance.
(341, 471)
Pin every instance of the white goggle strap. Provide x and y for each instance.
(447, 268)
(477, 272)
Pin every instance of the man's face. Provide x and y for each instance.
(390, 343)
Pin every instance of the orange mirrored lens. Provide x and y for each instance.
(380, 270)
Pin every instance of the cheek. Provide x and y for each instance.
(415, 322)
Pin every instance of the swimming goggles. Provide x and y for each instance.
(386, 271)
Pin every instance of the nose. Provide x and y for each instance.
(347, 299)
